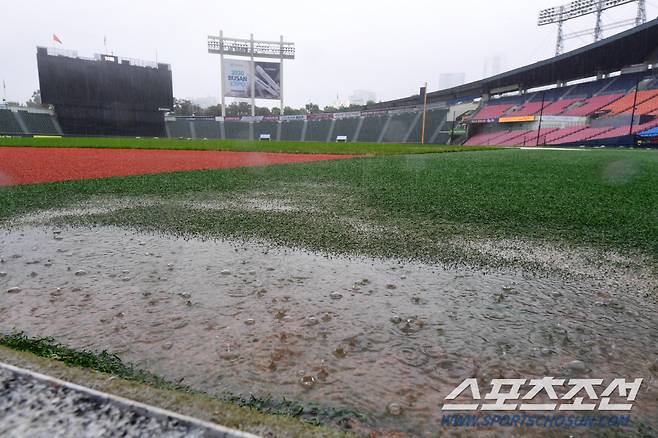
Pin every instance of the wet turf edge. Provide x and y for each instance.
(310, 416)
(237, 145)
(602, 199)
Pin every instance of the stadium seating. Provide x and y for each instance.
(529, 109)
(237, 130)
(555, 136)
(558, 107)
(346, 127)
(8, 123)
(582, 135)
(179, 129)
(486, 139)
(649, 106)
(626, 130)
(207, 129)
(510, 138)
(318, 130)
(372, 128)
(292, 130)
(592, 105)
(532, 139)
(490, 111)
(266, 127)
(625, 104)
(39, 123)
(399, 127)
(434, 120)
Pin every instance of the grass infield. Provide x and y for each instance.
(394, 206)
(235, 145)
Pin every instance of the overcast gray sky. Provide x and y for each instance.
(388, 47)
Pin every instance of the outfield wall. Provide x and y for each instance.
(366, 127)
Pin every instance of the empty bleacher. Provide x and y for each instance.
(625, 104)
(399, 126)
(529, 109)
(372, 128)
(558, 107)
(318, 130)
(555, 136)
(267, 128)
(8, 123)
(592, 105)
(39, 123)
(626, 130)
(292, 130)
(491, 111)
(435, 120)
(179, 129)
(535, 138)
(347, 127)
(207, 129)
(237, 130)
(582, 135)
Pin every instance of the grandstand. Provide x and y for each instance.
(603, 93)
(378, 127)
(28, 121)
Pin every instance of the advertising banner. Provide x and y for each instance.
(565, 119)
(268, 80)
(320, 116)
(293, 117)
(517, 119)
(238, 80)
(347, 115)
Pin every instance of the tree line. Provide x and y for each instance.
(184, 107)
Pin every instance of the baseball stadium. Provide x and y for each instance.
(475, 259)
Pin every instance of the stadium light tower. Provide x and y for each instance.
(251, 79)
(579, 8)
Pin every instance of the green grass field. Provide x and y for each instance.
(406, 206)
(235, 145)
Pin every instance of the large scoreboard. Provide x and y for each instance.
(107, 95)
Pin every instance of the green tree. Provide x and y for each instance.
(183, 107)
(312, 108)
(35, 100)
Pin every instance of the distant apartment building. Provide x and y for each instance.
(361, 97)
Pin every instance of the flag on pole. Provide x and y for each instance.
(56, 39)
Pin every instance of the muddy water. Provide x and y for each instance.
(388, 339)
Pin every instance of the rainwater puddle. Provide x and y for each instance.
(387, 339)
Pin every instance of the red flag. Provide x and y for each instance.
(56, 39)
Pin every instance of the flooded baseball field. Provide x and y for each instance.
(381, 337)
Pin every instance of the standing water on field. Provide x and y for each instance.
(386, 339)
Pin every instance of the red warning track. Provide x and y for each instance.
(39, 165)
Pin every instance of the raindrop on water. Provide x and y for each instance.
(395, 409)
(577, 366)
(308, 382)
